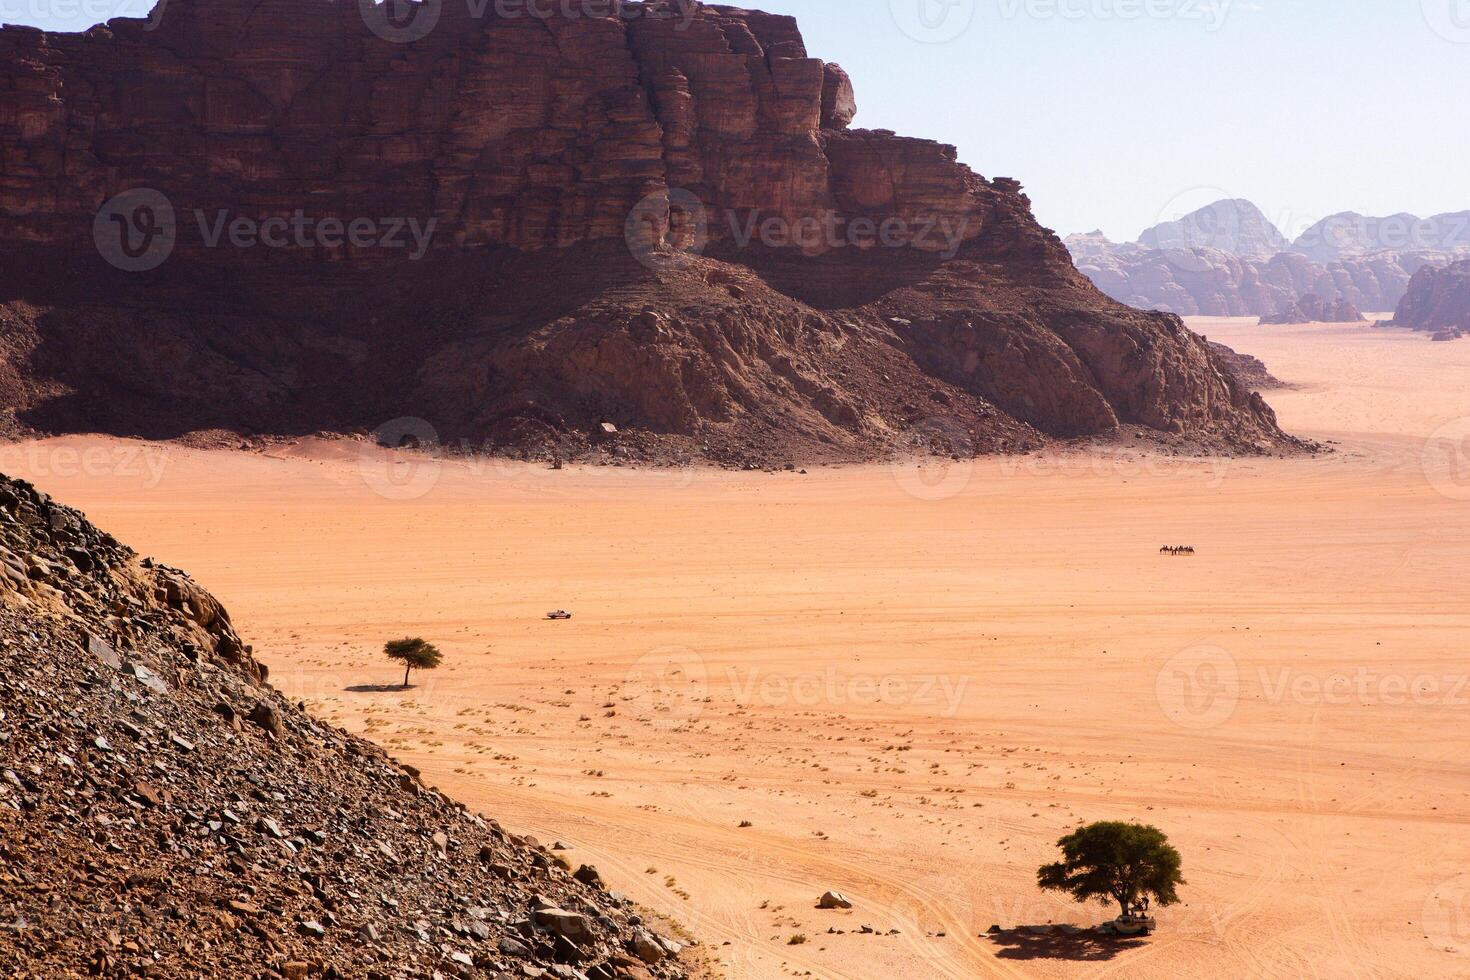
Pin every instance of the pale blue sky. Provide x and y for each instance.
(1117, 113)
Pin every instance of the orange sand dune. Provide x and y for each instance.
(910, 680)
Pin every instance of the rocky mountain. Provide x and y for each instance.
(1438, 301)
(1236, 227)
(286, 216)
(162, 807)
(1365, 263)
(1312, 308)
(1350, 234)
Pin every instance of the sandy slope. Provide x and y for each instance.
(911, 681)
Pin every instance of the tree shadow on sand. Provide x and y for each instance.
(1054, 944)
(379, 688)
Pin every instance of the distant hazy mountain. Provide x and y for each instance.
(1350, 233)
(1089, 241)
(1228, 259)
(1235, 227)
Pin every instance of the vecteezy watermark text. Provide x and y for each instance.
(831, 688)
(1211, 13)
(301, 230)
(407, 21)
(1201, 687)
(670, 687)
(682, 11)
(1364, 685)
(937, 233)
(667, 228)
(138, 230)
(70, 12)
(146, 462)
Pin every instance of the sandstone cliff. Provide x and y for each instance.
(659, 220)
(1438, 301)
(1312, 308)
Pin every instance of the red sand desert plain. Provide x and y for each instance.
(909, 680)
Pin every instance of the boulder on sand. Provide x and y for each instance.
(834, 900)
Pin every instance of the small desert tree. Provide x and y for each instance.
(414, 653)
(1115, 860)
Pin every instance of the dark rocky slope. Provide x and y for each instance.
(165, 813)
(571, 167)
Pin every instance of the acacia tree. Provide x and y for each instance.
(414, 653)
(1115, 860)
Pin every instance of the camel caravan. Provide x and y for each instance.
(1179, 550)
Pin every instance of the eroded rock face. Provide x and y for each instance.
(1251, 371)
(525, 131)
(1312, 308)
(839, 101)
(840, 287)
(1438, 301)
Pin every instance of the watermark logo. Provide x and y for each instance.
(401, 21)
(830, 688)
(78, 15)
(1199, 688)
(136, 231)
(143, 462)
(1445, 459)
(1364, 685)
(401, 476)
(933, 21)
(1211, 13)
(1450, 19)
(667, 229)
(1447, 916)
(818, 233)
(666, 687)
(1209, 473)
(935, 459)
(406, 21)
(683, 12)
(1398, 232)
(304, 231)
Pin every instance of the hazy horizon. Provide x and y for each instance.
(1118, 114)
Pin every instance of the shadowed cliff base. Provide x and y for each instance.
(530, 355)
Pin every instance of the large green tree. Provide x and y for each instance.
(1114, 860)
(414, 653)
